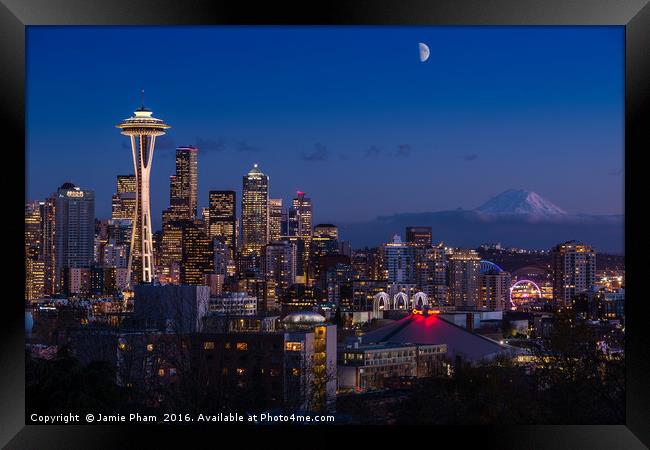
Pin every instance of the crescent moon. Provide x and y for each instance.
(424, 51)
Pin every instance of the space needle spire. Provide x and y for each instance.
(143, 129)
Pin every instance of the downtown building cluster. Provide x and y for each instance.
(257, 292)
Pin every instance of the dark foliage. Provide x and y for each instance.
(571, 381)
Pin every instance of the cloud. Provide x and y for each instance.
(206, 145)
(242, 146)
(373, 151)
(320, 153)
(470, 157)
(403, 150)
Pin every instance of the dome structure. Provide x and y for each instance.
(303, 318)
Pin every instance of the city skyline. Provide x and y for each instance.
(391, 132)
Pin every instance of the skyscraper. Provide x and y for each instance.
(431, 273)
(300, 225)
(48, 245)
(223, 218)
(495, 290)
(326, 230)
(275, 219)
(124, 199)
(183, 186)
(197, 254)
(34, 266)
(75, 228)
(171, 252)
(255, 212)
(300, 217)
(464, 278)
(143, 129)
(574, 270)
(419, 236)
(400, 261)
(280, 263)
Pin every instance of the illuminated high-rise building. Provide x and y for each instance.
(143, 129)
(300, 217)
(33, 230)
(464, 278)
(400, 261)
(300, 225)
(280, 263)
(326, 230)
(183, 186)
(48, 244)
(431, 273)
(126, 183)
(495, 290)
(205, 218)
(275, 219)
(223, 218)
(171, 252)
(75, 229)
(124, 200)
(255, 212)
(197, 256)
(574, 270)
(34, 266)
(419, 236)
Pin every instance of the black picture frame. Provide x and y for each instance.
(634, 15)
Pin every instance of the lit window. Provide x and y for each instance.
(227, 345)
(242, 346)
(208, 345)
(293, 346)
(161, 372)
(241, 371)
(295, 372)
(122, 346)
(150, 347)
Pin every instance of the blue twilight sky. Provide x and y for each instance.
(347, 114)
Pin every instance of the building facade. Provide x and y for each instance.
(223, 218)
(419, 236)
(495, 290)
(183, 186)
(574, 270)
(400, 261)
(464, 270)
(75, 228)
(255, 212)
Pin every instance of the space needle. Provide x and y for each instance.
(143, 129)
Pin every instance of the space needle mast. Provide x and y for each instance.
(143, 129)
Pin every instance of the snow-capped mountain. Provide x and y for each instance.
(517, 217)
(521, 202)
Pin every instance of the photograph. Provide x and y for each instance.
(325, 225)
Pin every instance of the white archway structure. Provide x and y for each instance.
(420, 299)
(400, 301)
(381, 302)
